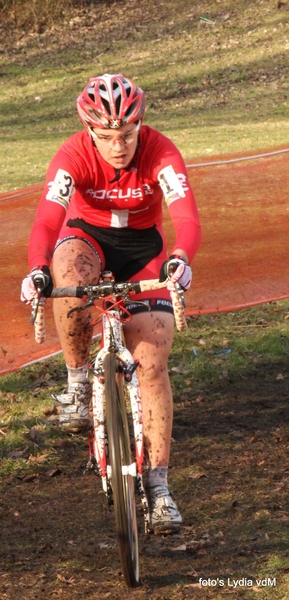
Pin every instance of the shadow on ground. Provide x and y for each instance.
(229, 474)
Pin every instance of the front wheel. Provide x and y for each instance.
(122, 479)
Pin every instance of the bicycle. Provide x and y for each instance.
(116, 405)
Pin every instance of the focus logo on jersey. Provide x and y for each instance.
(120, 194)
(61, 189)
(173, 185)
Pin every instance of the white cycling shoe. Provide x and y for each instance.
(165, 517)
(74, 412)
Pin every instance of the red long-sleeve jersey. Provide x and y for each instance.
(81, 184)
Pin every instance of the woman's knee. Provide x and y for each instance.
(154, 368)
(75, 263)
(149, 338)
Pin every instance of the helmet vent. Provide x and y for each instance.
(90, 93)
(106, 105)
(128, 90)
(117, 105)
(131, 108)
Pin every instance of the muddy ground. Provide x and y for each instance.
(230, 475)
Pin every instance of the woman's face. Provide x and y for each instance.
(117, 146)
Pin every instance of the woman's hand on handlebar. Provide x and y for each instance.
(38, 282)
(176, 270)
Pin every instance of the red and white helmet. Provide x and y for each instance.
(110, 101)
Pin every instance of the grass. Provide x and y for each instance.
(215, 87)
(212, 87)
(235, 341)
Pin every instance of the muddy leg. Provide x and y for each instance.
(74, 263)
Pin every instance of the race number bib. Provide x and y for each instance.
(61, 189)
(172, 184)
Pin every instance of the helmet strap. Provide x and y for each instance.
(93, 135)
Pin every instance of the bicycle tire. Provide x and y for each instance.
(123, 484)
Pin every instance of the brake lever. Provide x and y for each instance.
(34, 310)
(81, 307)
(180, 293)
(39, 283)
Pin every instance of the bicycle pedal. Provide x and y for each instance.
(91, 467)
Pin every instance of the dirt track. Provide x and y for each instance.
(230, 478)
